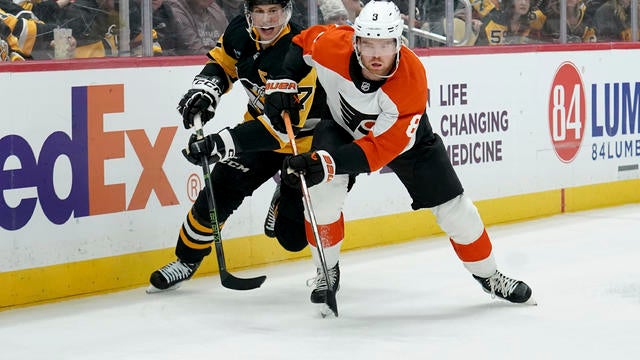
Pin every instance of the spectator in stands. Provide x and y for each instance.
(479, 10)
(333, 12)
(199, 25)
(353, 8)
(612, 21)
(509, 25)
(5, 51)
(579, 28)
(232, 8)
(164, 23)
(93, 24)
(25, 34)
(300, 12)
(403, 6)
(165, 30)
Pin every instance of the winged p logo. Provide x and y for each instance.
(355, 120)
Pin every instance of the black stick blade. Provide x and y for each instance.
(231, 282)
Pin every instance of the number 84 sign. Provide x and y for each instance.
(567, 112)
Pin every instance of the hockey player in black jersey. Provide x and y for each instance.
(251, 48)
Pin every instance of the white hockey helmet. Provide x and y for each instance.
(379, 20)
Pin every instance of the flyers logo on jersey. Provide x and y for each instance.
(358, 122)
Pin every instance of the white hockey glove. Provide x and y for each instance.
(216, 147)
(317, 167)
(202, 98)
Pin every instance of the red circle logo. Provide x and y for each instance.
(194, 185)
(567, 112)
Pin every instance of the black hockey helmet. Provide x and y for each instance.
(249, 4)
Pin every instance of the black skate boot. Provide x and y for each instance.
(512, 290)
(318, 295)
(170, 276)
(270, 221)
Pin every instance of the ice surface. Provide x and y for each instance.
(408, 301)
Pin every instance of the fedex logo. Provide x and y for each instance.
(87, 148)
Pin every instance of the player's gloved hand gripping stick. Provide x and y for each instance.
(330, 294)
(227, 279)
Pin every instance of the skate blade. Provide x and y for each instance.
(153, 290)
(531, 301)
(325, 311)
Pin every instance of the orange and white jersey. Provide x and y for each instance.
(382, 116)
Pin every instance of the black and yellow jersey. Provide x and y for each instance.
(612, 21)
(26, 33)
(547, 28)
(244, 60)
(496, 31)
(484, 7)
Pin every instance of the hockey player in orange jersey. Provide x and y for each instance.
(377, 94)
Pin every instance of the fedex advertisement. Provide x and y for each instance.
(86, 149)
(90, 164)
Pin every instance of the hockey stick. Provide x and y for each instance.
(330, 295)
(227, 279)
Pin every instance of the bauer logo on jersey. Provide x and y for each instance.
(355, 120)
(89, 162)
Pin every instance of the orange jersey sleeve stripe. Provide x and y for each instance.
(330, 234)
(478, 250)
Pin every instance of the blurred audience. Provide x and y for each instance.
(199, 24)
(333, 12)
(24, 34)
(612, 21)
(164, 32)
(186, 27)
(353, 8)
(93, 24)
(232, 8)
(579, 27)
(509, 25)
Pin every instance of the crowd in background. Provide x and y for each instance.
(188, 27)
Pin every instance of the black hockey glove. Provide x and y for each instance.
(216, 147)
(317, 167)
(202, 99)
(282, 95)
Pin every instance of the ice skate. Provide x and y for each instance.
(170, 276)
(512, 290)
(318, 293)
(270, 221)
